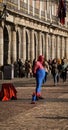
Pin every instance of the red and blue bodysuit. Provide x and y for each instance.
(39, 72)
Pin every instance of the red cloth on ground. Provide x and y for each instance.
(8, 92)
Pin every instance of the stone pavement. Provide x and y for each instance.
(48, 114)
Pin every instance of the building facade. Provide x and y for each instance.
(31, 28)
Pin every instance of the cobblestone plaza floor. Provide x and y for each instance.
(48, 114)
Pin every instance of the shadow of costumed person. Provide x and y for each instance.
(39, 73)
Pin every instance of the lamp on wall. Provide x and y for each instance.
(4, 13)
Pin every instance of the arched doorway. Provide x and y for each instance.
(6, 44)
(17, 41)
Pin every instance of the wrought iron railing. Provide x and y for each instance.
(42, 15)
(31, 10)
(54, 19)
(36, 14)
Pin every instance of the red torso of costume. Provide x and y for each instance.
(38, 65)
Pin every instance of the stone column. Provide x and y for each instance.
(53, 41)
(14, 47)
(46, 47)
(24, 43)
(57, 47)
(62, 48)
(19, 30)
(37, 41)
(21, 43)
(32, 45)
(43, 48)
(9, 47)
(66, 48)
(40, 45)
(29, 45)
(1, 46)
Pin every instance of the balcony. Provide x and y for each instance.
(24, 10)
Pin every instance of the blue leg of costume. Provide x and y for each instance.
(40, 74)
(39, 79)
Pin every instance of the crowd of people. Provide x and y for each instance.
(23, 69)
(57, 67)
(40, 69)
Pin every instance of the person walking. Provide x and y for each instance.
(46, 67)
(64, 70)
(39, 73)
(55, 72)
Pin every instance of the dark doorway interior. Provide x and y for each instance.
(6, 43)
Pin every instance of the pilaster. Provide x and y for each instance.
(14, 47)
(66, 48)
(40, 45)
(1, 45)
(57, 47)
(53, 41)
(32, 45)
(24, 43)
(63, 48)
(46, 47)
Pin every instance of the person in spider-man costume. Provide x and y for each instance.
(39, 73)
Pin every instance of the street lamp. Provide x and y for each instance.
(4, 13)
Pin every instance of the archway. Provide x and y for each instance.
(6, 44)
